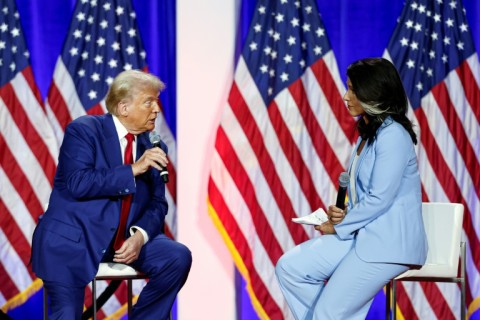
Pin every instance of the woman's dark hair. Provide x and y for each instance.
(377, 85)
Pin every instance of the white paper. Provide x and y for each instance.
(315, 218)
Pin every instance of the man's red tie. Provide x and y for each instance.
(127, 199)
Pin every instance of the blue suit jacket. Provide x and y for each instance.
(387, 217)
(84, 208)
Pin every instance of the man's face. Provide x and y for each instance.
(142, 110)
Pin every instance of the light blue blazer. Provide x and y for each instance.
(387, 218)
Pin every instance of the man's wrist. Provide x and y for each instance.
(135, 229)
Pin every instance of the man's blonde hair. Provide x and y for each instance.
(126, 84)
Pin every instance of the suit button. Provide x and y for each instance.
(126, 190)
(104, 250)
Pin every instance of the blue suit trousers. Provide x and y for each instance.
(167, 264)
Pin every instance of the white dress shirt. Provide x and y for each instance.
(122, 132)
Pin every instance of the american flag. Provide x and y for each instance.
(28, 153)
(103, 40)
(284, 138)
(433, 50)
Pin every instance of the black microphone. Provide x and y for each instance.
(156, 142)
(342, 189)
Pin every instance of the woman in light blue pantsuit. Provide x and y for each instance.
(382, 235)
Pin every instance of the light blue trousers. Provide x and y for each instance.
(352, 283)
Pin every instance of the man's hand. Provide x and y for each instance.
(154, 157)
(326, 228)
(335, 214)
(130, 249)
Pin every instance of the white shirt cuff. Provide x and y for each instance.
(143, 232)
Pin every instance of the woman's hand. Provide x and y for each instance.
(326, 228)
(335, 214)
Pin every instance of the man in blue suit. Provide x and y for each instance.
(93, 181)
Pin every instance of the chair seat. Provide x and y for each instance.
(112, 269)
(431, 270)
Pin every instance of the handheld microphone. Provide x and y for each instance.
(156, 142)
(342, 190)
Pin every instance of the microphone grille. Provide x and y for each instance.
(154, 137)
(344, 179)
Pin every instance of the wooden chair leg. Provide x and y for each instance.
(387, 301)
(463, 251)
(45, 304)
(130, 297)
(94, 298)
(394, 299)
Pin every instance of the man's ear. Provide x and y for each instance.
(122, 108)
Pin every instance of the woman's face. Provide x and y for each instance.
(353, 104)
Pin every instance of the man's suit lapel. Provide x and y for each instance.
(111, 143)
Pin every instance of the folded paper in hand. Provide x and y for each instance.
(315, 218)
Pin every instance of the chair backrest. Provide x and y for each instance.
(443, 226)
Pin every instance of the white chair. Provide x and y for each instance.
(115, 271)
(107, 271)
(443, 226)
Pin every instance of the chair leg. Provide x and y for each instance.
(94, 298)
(394, 299)
(45, 304)
(388, 303)
(463, 250)
(130, 297)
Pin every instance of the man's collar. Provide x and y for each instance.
(121, 130)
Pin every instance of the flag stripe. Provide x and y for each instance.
(15, 236)
(29, 78)
(27, 130)
(247, 121)
(330, 86)
(294, 157)
(14, 267)
(464, 111)
(17, 210)
(171, 217)
(454, 125)
(96, 110)
(314, 194)
(254, 248)
(35, 111)
(16, 176)
(471, 88)
(8, 286)
(268, 142)
(242, 246)
(58, 106)
(404, 302)
(440, 302)
(323, 114)
(320, 143)
(237, 171)
(172, 183)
